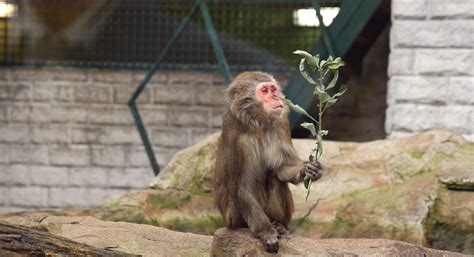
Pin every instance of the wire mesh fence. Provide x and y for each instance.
(131, 33)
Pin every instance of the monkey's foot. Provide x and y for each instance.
(270, 240)
(280, 229)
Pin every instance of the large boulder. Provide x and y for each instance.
(98, 238)
(240, 243)
(144, 240)
(417, 189)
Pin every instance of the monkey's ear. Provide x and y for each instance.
(233, 91)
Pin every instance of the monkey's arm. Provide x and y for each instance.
(292, 171)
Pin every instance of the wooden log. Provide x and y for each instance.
(23, 241)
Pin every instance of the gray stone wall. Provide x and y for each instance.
(431, 67)
(67, 137)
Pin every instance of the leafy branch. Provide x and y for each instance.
(324, 100)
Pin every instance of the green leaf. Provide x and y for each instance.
(334, 80)
(335, 65)
(310, 127)
(312, 61)
(342, 90)
(305, 74)
(330, 102)
(330, 59)
(323, 132)
(316, 59)
(299, 109)
(306, 182)
(324, 98)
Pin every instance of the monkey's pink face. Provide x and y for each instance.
(270, 95)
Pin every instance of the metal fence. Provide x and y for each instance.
(131, 33)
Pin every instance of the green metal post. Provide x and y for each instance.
(223, 66)
(325, 36)
(132, 102)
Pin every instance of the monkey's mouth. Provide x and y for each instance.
(278, 107)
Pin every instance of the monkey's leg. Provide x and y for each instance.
(258, 222)
(280, 229)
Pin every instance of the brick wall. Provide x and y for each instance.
(67, 137)
(431, 67)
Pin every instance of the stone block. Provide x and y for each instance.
(14, 134)
(30, 74)
(70, 155)
(86, 135)
(109, 115)
(417, 118)
(425, 90)
(459, 118)
(159, 77)
(4, 113)
(49, 134)
(15, 91)
(131, 177)
(99, 196)
(49, 176)
(444, 62)
(29, 154)
(28, 196)
(109, 156)
(139, 158)
(195, 117)
(432, 34)
(197, 135)
(4, 154)
(66, 114)
(3, 196)
(64, 74)
(460, 90)
(171, 137)
(455, 9)
(87, 177)
(48, 91)
(190, 77)
(401, 62)
(156, 115)
(124, 77)
(119, 135)
(216, 117)
(92, 94)
(68, 197)
(181, 94)
(409, 9)
(122, 94)
(210, 95)
(38, 113)
(15, 174)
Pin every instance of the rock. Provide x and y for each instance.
(22, 241)
(130, 238)
(417, 190)
(240, 243)
(398, 189)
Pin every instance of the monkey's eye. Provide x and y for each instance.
(264, 90)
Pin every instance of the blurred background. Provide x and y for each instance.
(68, 68)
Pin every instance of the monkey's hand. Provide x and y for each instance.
(313, 170)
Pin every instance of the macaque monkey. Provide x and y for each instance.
(256, 160)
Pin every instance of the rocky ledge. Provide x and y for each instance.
(92, 237)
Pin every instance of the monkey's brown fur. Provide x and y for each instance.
(255, 160)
